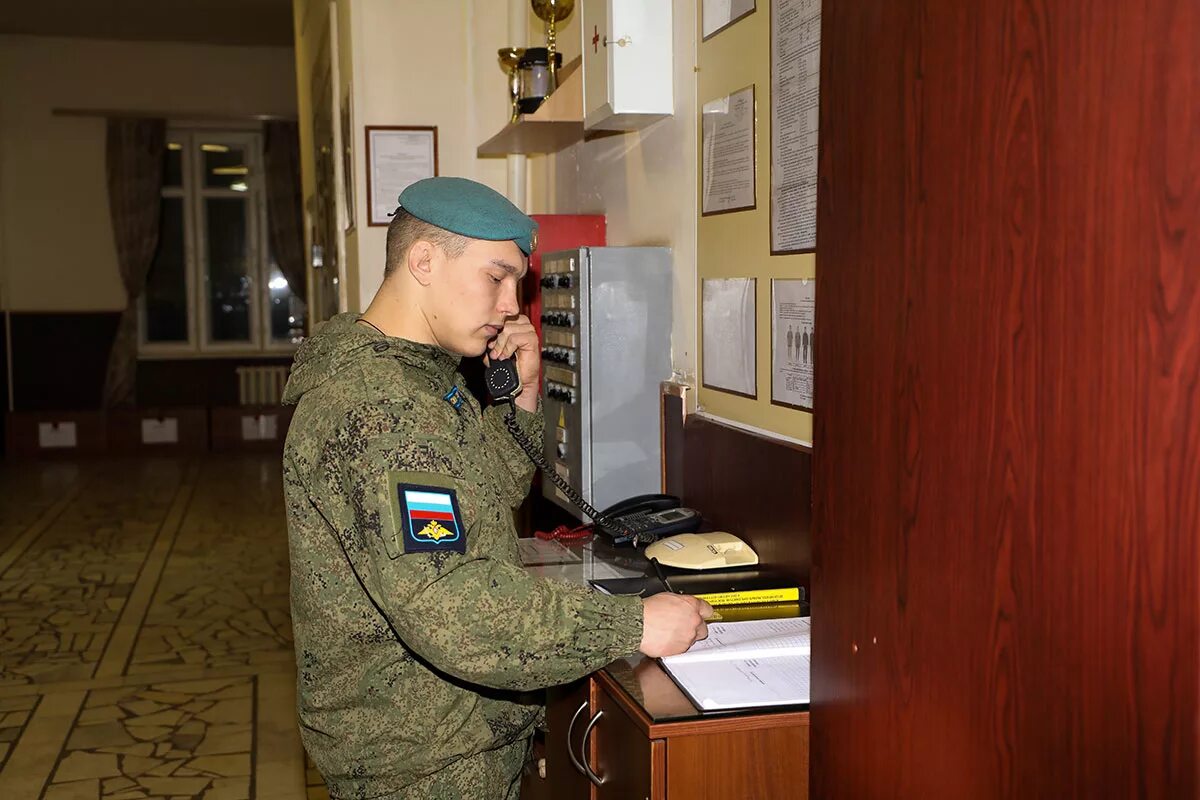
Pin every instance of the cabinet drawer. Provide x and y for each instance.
(567, 713)
(627, 765)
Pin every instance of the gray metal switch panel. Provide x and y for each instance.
(606, 346)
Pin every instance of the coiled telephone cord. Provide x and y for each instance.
(599, 520)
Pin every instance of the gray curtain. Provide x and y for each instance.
(285, 219)
(135, 165)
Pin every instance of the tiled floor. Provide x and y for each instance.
(145, 641)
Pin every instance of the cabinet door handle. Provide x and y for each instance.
(591, 776)
(570, 729)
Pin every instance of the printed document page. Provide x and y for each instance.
(746, 664)
(750, 639)
(745, 682)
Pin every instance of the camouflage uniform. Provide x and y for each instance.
(410, 664)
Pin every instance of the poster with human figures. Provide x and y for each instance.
(793, 322)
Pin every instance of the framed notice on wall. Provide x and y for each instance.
(720, 14)
(397, 156)
(727, 321)
(727, 153)
(795, 105)
(793, 322)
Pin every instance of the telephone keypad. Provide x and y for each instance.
(639, 522)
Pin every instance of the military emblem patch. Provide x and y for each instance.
(431, 519)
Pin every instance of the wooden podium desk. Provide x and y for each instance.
(627, 732)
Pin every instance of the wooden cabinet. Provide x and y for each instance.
(624, 763)
(566, 707)
(630, 734)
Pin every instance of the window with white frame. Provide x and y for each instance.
(214, 286)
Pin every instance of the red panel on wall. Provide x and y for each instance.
(557, 232)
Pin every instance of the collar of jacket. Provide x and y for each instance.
(429, 357)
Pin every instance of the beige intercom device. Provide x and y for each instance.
(715, 550)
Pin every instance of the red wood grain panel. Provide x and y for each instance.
(771, 764)
(1006, 568)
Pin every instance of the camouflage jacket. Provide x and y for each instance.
(415, 634)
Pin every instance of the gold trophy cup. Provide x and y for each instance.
(552, 12)
(509, 58)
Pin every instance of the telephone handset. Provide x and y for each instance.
(637, 520)
(503, 381)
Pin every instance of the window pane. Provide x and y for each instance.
(228, 277)
(225, 166)
(173, 165)
(286, 310)
(166, 285)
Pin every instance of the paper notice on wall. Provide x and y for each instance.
(398, 158)
(793, 322)
(720, 14)
(56, 435)
(160, 431)
(727, 316)
(261, 427)
(728, 157)
(795, 107)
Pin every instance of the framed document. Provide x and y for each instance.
(720, 14)
(397, 156)
(727, 153)
(793, 320)
(795, 106)
(727, 320)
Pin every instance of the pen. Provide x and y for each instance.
(714, 617)
(662, 576)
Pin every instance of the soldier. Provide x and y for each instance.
(416, 628)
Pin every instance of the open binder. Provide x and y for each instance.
(750, 664)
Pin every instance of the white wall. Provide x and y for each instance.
(425, 62)
(56, 244)
(644, 182)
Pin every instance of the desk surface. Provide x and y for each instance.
(641, 678)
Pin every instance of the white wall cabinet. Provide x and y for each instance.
(627, 63)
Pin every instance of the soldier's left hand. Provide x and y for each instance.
(520, 339)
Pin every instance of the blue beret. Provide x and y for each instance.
(469, 209)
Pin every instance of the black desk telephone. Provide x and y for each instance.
(638, 520)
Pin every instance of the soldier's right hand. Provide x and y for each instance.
(671, 623)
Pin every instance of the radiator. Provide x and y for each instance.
(261, 386)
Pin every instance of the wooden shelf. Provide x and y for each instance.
(555, 125)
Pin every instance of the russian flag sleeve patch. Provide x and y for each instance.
(429, 516)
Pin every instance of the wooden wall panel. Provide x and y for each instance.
(751, 486)
(196, 381)
(3, 381)
(1006, 569)
(672, 419)
(60, 359)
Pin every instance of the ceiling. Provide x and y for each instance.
(230, 22)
